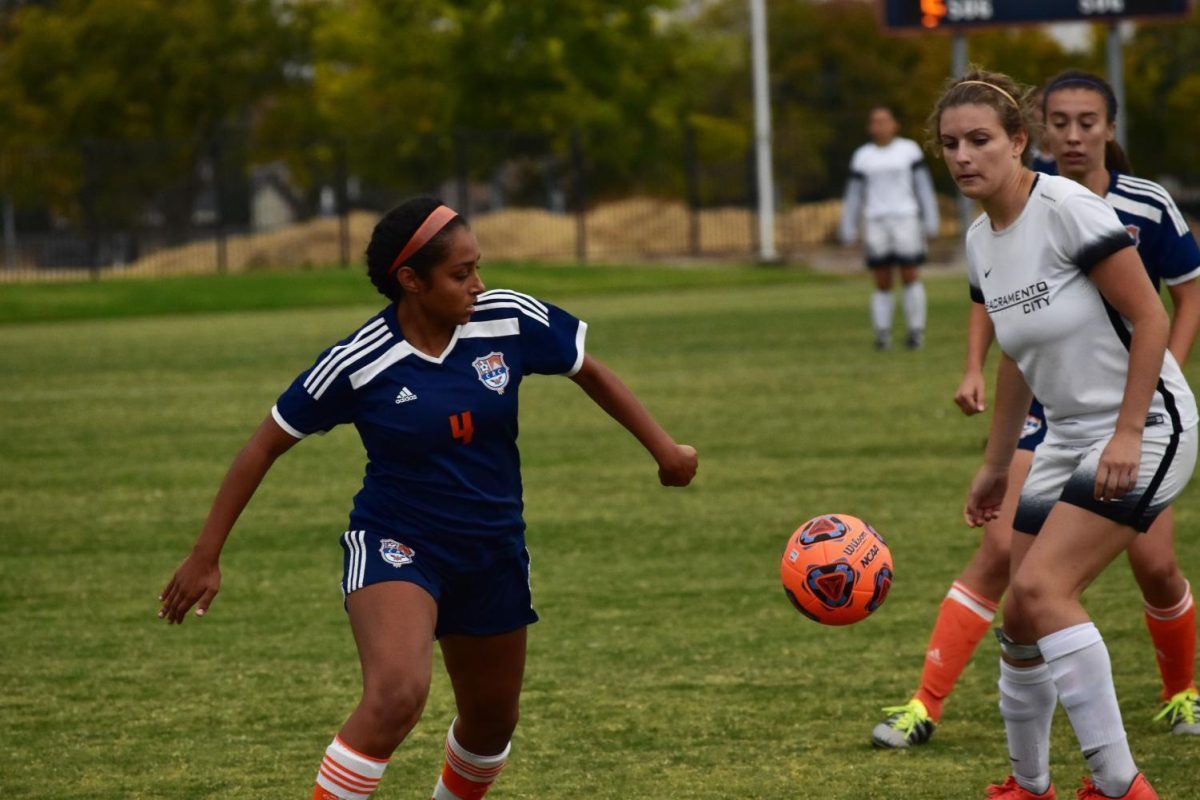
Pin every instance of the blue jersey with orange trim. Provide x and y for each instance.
(440, 432)
(1159, 230)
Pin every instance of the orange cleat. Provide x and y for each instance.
(1140, 789)
(1011, 790)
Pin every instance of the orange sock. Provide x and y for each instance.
(466, 776)
(1173, 631)
(963, 619)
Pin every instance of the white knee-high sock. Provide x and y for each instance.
(1027, 700)
(1082, 672)
(882, 305)
(913, 300)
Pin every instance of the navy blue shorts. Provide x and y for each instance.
(484, 602)
(1034, 430)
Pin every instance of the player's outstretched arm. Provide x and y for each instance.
(198, 578)
(676, 462)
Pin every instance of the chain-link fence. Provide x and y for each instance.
(170, 207)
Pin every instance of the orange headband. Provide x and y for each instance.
(432, 225)
(993, 86)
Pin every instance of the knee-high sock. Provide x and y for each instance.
(1173, 631)
(1082, 672)
(962, 621)
(1027, 700)
(882, 306)
(465, 775)
(914, 305)
(347, 774)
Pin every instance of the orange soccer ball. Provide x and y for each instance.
(836, 569)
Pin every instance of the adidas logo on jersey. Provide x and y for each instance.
(406, 395)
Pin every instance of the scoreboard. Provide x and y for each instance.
(956, 14)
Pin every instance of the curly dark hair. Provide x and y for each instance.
(393, 232)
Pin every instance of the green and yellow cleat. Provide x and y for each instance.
(907, 726)
(1182, 713)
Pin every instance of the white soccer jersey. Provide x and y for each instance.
(887, 181)
(1071, 346)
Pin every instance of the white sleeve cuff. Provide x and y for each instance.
(1183, 278)
(283, 423)
(580, 335)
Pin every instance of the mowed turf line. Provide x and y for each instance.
(668, 662)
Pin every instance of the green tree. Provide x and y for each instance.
(1162, 79)
(117, 101)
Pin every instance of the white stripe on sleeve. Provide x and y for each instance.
(283, 423)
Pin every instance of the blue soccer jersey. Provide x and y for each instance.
(1159, 230)
(440, 433)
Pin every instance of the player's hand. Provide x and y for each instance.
(985, 495)
(1117, 472)
(678, 466)
(195, 583)
(971, 395)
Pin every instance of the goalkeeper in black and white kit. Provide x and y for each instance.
(891, 192)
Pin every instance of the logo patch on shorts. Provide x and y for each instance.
(1032, 426)
(395, 553)
(492, 370)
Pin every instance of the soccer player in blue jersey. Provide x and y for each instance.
(1080, 116)
(435, 547)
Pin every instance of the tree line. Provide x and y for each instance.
(378, 88)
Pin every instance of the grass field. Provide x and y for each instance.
(668, 662)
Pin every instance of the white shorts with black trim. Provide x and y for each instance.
(1065, 472)
(894, 240)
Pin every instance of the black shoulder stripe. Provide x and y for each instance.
(1092, 254)
(977, 294)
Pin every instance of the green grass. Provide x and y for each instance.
(668, 662)
(117, 297)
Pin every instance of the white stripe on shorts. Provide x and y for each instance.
(356, 546)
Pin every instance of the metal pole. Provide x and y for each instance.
(958, 66)
(762, 133)
(10, 234)
(1115, 61)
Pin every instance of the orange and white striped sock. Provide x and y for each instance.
(347, 774)
(962, 621)
(1173, 631)
(466, 776)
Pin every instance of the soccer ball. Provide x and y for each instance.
(836, 569)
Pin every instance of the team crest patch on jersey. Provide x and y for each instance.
(492, 370)
(1135, 233)
(395, 553)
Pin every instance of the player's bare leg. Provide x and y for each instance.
(393, 624)
(1045, 621)
(486, 673)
